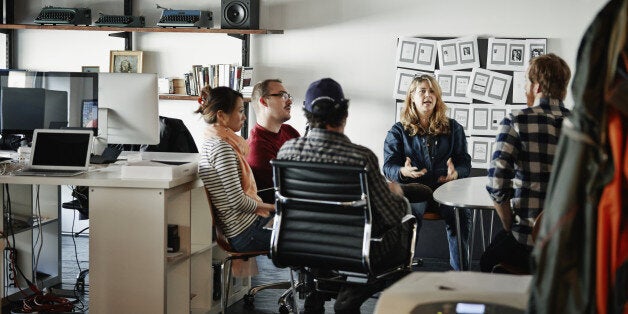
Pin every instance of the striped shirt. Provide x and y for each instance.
(221, 174)
(325, 146)
(522, 162)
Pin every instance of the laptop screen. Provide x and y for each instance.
(61, 149)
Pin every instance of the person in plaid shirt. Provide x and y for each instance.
(326, 110)
(522, 161)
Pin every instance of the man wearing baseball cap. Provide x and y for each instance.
(326, 110)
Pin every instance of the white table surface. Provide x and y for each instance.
(467, 193)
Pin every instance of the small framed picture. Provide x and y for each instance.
(90, 68)
(125, 61)
(462, 116)
(399, 107)
(516, 54)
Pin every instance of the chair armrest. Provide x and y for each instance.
(395, 247)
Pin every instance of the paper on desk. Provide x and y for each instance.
(146, 169)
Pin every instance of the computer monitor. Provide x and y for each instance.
(128, 111)
(62, 94)
(55, 108)
(22, 110)
(78, 87)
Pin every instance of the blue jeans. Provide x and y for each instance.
(253, 238)
(447, 212)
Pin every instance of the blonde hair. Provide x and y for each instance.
(438, 123)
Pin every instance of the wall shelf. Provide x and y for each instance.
(187, 97)
(142, 29)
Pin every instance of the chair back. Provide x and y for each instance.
(323, 216)
(221, 239)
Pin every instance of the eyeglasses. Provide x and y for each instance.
(283, 95)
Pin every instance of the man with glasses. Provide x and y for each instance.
(272, 105)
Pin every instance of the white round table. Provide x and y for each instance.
(466, 193)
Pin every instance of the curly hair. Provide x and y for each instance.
(216, 99)
(551, 73)
(438, 121)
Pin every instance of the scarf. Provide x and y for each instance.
(241, 147)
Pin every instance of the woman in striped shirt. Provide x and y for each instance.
(227, 176)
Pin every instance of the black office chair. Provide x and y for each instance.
(324, 220)
(174, 137)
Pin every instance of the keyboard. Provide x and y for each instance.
(48, 173)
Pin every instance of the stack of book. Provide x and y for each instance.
(234, 76)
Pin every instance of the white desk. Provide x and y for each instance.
(466, 193)
(420, 288)
(130, 271)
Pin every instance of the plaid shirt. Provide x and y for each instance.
(325, 146)
(522, 162)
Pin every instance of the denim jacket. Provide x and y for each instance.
(399, 145)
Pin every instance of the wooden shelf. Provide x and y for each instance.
(142, 29)
(186, 97)
(200, 248)
(176, 257)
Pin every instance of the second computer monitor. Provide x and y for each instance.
(128, 106)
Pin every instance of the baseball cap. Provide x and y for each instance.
(324, 96)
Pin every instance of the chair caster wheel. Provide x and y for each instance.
(249, 300)
(284, 309)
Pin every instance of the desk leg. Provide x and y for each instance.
(472, 240)
(490, 233)
(482, 228)
(459, 238)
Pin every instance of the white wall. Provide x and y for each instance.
(352, 41)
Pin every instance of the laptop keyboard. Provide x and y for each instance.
(51, 173)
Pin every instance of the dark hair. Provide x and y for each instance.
(334, 117)
(551, 73)
(219, 98)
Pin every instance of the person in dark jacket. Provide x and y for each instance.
(427, 147)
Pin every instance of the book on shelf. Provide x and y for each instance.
(246, 81)
(234, 76)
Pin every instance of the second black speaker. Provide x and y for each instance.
(240, 14)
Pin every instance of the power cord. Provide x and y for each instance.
(39, 301)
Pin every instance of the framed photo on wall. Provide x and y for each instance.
(481, 149)
(403, 78)
(454, 85)
(125, 61)
(535, 47)
(416, 53)
(458, 53)
(489, 86)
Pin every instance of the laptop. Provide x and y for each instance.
(59, 153)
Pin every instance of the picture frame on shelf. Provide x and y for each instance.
(90, 69)
(125, 61)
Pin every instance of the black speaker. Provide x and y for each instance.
(240, 14)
